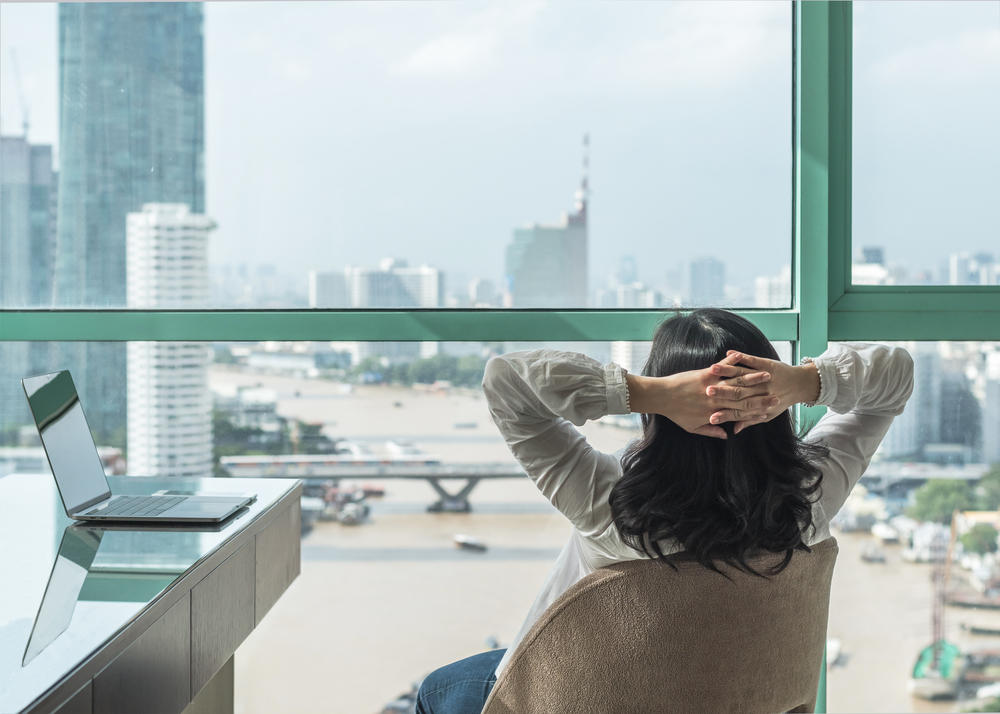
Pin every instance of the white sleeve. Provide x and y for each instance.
(535, 397)
(864, 387)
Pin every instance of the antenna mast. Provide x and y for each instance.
(25, 111)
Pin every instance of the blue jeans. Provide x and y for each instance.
(460, 687)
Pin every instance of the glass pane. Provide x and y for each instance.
(345, 414)
(420, 154)
(926, 150)
(908, 574)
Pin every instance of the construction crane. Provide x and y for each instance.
(25, 111)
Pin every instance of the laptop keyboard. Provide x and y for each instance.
(137, 506)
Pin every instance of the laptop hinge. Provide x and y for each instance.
(91, 503)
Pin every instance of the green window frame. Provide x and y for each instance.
(825, 305)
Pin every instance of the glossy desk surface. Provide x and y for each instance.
(106, 575)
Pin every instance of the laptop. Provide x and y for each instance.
(79, 472)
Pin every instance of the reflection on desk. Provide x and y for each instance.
(71, 591)
(69, 573)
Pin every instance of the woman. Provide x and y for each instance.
(718, 472)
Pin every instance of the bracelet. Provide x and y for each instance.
(628, 404)
(809, 360)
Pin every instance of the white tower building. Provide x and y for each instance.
(394, 284)
(920, 422)
(774, 291)
(631, 355)
(169, 403)
(991, 410)
(328, 289)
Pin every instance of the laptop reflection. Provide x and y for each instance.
(69, 571)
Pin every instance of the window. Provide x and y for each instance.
(925, 147)
(466, 155)
(315, 410)
(719, 160)
(941, 454)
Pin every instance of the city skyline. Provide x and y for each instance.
(643, 178)
(160, 118)
(331, 155)
(460, 179)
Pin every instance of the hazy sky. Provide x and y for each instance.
(344, 132)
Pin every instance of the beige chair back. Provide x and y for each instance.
(641, 637)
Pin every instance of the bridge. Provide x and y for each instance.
(883, 478)
(415, 467)
(902, 476)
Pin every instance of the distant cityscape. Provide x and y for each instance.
(123, 222)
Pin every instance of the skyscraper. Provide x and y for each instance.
(28, 186)
(394, 284)
(131, 131)
(546, 266)
(27, 246)
(920, 422)
(873, 254)
(973, 269)
(169, 403)
(482, 293)
(991, 409)
(774, 290)
(631, 355)
(328, 289)
(708, 282)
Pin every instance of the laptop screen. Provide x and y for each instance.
(67, 440)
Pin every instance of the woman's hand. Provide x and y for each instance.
(683, 398)
(789, 385)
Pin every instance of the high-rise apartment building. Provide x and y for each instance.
(131, 132)
(628, 270)
(920, 422)
(630, 295)
(774, 290)
(873, 254)
(872, 268)
(991, 409)
(708, 283)
(169, 403)
(28, 186)
(631, 355)
(328, 289)
(28, 190)
(482, 293)
(973, 269)
(393, 284)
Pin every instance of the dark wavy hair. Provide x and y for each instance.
(722, 499)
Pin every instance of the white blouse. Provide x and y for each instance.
(535, 398)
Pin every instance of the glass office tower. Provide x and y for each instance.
(27, 242)
(546, 265)
(131, 130)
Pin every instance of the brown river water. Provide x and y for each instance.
(380, 605)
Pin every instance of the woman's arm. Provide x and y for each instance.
(535, 398)
(864, 387)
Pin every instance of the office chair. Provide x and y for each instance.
(641, 637)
